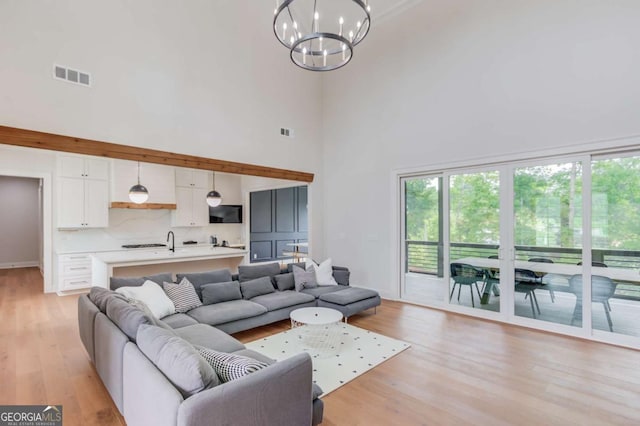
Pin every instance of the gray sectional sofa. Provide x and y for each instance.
(146, 393)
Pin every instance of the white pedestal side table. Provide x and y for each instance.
(318, 330)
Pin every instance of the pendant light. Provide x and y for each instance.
(214, 198)
(138, 193)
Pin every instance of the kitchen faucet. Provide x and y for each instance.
(172, 247)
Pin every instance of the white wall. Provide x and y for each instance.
(203, 77)
(19, 222)
(453, 80)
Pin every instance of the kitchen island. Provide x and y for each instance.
(136, 263)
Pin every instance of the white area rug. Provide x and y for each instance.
(357, 350)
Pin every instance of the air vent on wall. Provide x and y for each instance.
(286, 132)
(71, 76)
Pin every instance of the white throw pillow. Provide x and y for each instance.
(324, 273)
(152, 295)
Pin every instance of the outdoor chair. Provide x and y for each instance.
(527, 282)
(602, 289)
(464, 274)
(594, 263)
(601, 265)
(542, 274)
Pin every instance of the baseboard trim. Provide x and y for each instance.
(13, 265)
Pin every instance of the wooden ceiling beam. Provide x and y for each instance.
(53, 142)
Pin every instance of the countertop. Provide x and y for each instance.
(120, 249)
(161, 253)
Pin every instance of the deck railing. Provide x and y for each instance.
(426, 257)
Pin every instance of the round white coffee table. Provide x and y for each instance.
(318, 330)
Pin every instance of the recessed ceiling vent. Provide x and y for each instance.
(286, 132)
(71, 75)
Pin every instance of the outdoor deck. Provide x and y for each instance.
(625, 314)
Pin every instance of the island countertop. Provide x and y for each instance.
(104, 263)
(164, 255)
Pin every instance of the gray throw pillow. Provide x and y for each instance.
(127, 317)
(177, 359)
(100, 296)
(251, 272)
(285, 281)
(220, 292)
(341, 276)
(290, 266)
(183, 295)
(230, 366)
(164, 277)
(257, 287)
(117, 282)
(304, 279)
(198, 279)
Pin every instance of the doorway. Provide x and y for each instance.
(20, 226)
(25, 223)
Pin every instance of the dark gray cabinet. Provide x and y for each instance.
(278, 218)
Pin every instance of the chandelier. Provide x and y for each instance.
(321, 34)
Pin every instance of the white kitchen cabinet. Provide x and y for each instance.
(192, 178)
(158, 179)
(74, 166)
(83, 192)
(74, 271)
(192, 208)
(83, 203)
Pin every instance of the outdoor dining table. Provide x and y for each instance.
(616, 274)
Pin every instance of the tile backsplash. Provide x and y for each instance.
(128, 226)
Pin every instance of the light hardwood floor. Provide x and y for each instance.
(458, 371)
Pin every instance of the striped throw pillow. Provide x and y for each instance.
(183, 295)
(229, 366)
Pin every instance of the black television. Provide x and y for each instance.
(225, 213)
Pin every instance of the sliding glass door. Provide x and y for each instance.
(474, 238)
(531, 242)
(547, 202)
(615, 241)
(422, 239)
